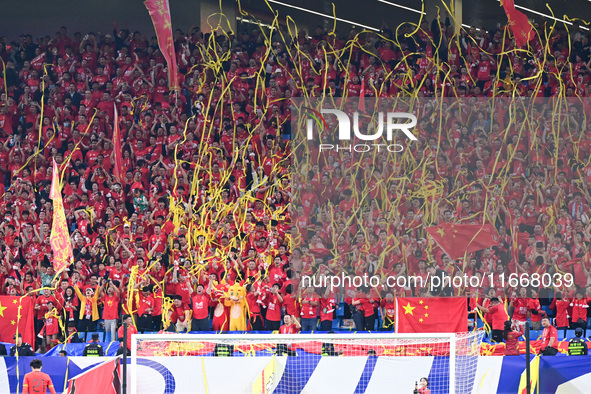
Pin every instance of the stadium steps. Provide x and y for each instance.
(535, 334)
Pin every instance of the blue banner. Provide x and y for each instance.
(314, 373)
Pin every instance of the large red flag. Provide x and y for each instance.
(104, 378)
(522, 29)
(16, 313)
(160, 13)
(59, 237)
(431, 314)
(118, 154)
(456, 240)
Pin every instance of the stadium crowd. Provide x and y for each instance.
(207, 189)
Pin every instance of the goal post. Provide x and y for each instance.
(339, 362)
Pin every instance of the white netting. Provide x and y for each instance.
(327, 363)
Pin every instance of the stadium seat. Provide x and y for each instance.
(107, 337)
(535, 334)
(570, 334)
(100, 334)
(341, 310)
(565, 335)
(336, 323)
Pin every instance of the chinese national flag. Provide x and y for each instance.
(457, 240)
(16, 315)
(118, 153)
(522, 29)
(431, 315)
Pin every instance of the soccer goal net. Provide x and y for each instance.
(303, 363)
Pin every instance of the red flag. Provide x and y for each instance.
(431, 314)
(160, 13)
(118, 167)
(104, 378)
(362, 96)
(59, 237)
(16, 314)
(522, 29)
(456, 240)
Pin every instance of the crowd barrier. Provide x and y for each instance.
(313, 373)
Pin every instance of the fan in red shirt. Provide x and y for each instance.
(499, 317)
(127, 319)
(561, 305)
(327, 307)
(512, 337)
(549, 338)
(200, 303)
(179, 316)
(254, 307)
(388, 306)
(274, 303)
(110, 302)
(536, 310)
(291, 325)
(37, 382)
(521, 306)
(145, 307)
(580, 306)
(41, 307)
(181, 286)
(309, 310)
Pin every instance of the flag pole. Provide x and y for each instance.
(124, 385)
(527, 360)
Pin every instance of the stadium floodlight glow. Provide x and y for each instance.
(323, 15)
(547, 16)
(404, 7)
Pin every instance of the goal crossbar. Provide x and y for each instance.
(375, 338)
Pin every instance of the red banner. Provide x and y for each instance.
(160, 13)
(17, 315)
(104, 378)
(59, 237)
(431, 315)
(457, 240)
(522, 29)
(118, 153)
